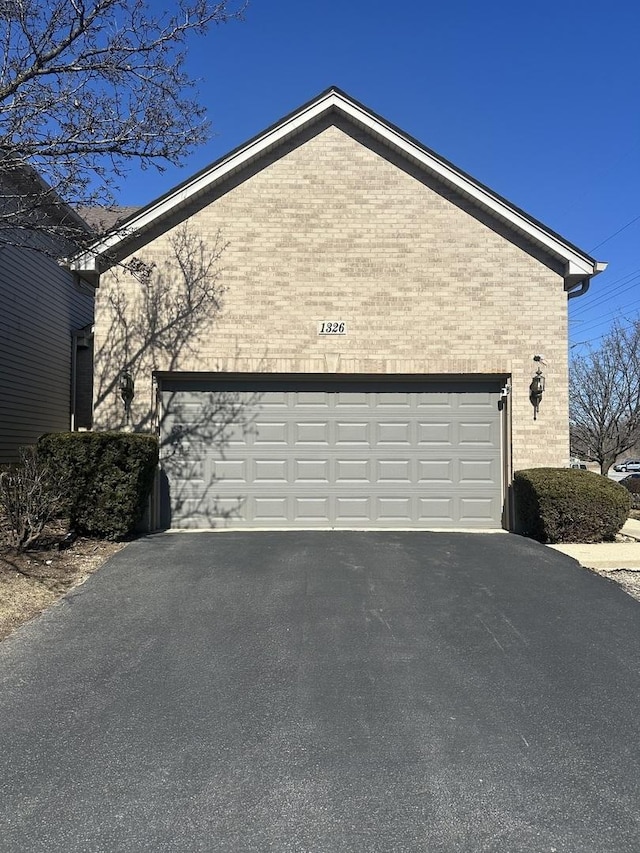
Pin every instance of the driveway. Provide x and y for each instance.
(317, 691)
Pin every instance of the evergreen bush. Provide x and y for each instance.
(568, 505)
(110, 475)
(633, 487)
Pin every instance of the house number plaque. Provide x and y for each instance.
(332, 327)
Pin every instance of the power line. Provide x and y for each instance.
(615, 234)
(584, 343)
(627, 283)
(624, 324)
(614, 301)
(608, 316)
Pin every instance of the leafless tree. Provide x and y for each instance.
(154, 315)
(153, 325)
(86, 88)
(605, 397)
(31, 496)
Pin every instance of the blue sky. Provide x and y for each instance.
(539, 101)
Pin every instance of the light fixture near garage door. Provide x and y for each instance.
(127, 392)
(537, 386)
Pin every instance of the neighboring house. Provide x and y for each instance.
(370, 359)
(45, 329)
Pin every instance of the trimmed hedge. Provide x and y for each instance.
(568, 505)
(110, 476)
(633, 487)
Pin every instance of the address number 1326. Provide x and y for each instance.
(332, 327)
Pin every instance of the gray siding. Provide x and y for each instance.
(40, 306)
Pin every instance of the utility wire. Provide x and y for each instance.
(626, 323)
(603, 321)
(619, 231)
(606, 297)
(603, 318)
(585, 343)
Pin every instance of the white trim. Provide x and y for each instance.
(576, 263)
(180, 531)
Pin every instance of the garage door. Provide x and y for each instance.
(330, 454)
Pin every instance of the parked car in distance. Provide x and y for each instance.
(577, 463)
(626, 480)
(628, 465)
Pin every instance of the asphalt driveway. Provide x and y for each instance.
(316, 691)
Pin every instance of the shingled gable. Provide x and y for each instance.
(576, 266)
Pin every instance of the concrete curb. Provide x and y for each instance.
(608, 555)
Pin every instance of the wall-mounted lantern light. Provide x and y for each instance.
(127, 392)
(537, 387)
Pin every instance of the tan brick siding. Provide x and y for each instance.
(335, 231)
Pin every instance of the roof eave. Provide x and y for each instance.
(577, 264)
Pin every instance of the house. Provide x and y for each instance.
(45, 324)
(333, 326)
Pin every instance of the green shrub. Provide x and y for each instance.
(633, 487)
(568, 505)
(110, 476)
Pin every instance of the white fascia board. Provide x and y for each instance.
(577, 263)
(201, 183)
(497, 206)
(86, 262)
(575, 269)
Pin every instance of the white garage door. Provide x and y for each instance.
(348, 453)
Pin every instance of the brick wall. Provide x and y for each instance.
(337, 230)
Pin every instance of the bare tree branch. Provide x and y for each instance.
(87, 87)
(154, 327)
(605, 398)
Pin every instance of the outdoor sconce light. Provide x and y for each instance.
(127, 392)
(536, 389)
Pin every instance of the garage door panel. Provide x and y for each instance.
(275, 400)
(436, 510)
(435, 433)
(311, 509)
(477, 509)
(392, 400)
(230, 470)
(311, 399)
(478, 433)
(270, 471)
(353, 432)
(232, 438)
(435, 471)
(269, 509)
(270, 432)
(353, 399)
(483, 471)
(196, 513)
(434, 401)
(394, 471)
(311, 471)
(353, 471)
(395, 508)
(394, 432)
(476, 400)
(353, 509)
(312, 432)
(299, 454)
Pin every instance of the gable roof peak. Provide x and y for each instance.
(578, 265)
